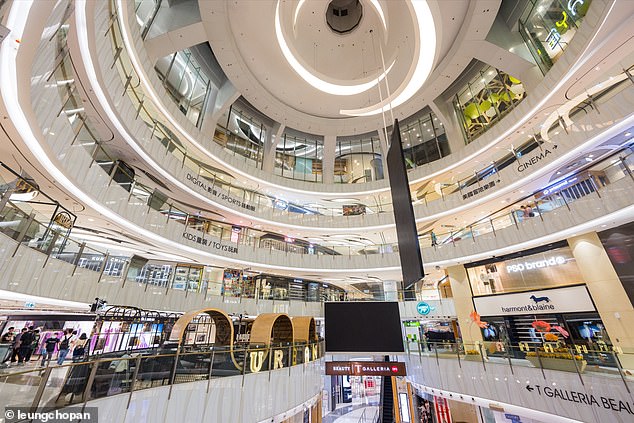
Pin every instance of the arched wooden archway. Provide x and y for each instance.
(223, 323)
(271, 328)
(304, 329)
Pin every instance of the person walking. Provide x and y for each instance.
(80, 348)
(49, 349)
(64, 346)
(16, 345)
(7, 338)
(34, 344)
(434, 239)
(26, 346)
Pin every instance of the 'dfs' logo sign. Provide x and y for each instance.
(423, 308)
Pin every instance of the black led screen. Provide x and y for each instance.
(373, 327)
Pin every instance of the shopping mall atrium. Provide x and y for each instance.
(307, 211)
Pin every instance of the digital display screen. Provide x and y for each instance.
(373, 327)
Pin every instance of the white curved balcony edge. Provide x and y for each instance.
(583, 135)
(76, 164)
(29, 272)
(581, 54)
(253, 398)
(498, 385)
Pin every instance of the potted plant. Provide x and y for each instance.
(557, 359)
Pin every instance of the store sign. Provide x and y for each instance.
(64, 220)
(573, 4)
(622, 406)
(423, 308)
(542, 155)
(218, 194)
(569, 299)
(558, 186)
(215, 245)
(365, 368)
(479, 190)
(537, 264)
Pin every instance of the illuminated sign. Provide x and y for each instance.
(572, 6)
(537, 264)
(365, 368)
(558, 186)
(423, 308)
(553, 38)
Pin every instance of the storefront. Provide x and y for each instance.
(50, 324)
(548, 26)
(537, 299)
(431, 332)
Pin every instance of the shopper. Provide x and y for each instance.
(49, 349)
(80, 348)
(64, 346)
(34, 344)
(26, 345)
(528, 211)
(434, 239)
(16, 345)
(8, 336)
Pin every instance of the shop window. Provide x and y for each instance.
(358, 160)
(424, 140)
(300, 158)
(548, 26)
(487, 97)
(244, 135)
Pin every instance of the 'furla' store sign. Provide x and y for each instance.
(570, 299)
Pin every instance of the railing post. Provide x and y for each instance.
(574, 360)
(41, 387)
(20, 237)
(78, 257)
(137, 365)
(91, 379)
(103, 266)
(618, 366)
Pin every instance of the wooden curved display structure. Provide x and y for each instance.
(223, 323)
(304, 329)
(271, 328)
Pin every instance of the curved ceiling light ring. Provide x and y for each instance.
(425, 31)
(312, 79)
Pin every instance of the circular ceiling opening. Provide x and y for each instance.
(343, 16)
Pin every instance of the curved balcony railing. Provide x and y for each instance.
(379, 203)
(56, 387)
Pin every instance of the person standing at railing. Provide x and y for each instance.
(64, 346)
(49, 349)
(16, 345)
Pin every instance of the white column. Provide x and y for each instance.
(463, 302)
(607, 292)
(270, 145)
(176, 40)
(328, 164)
(444, 111)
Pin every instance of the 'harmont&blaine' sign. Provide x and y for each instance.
(366, 368)
(216, 245)
(533, 160)
(218, 194)
(570, 299)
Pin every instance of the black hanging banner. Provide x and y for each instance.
(407, 235)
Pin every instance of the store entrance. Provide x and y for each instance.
(516, 335)
(353, 396)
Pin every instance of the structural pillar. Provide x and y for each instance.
(462, 298)
(328, 160)
(607, 292)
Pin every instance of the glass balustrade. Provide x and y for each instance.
(499, 91)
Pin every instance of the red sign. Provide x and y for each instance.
(366, 368)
